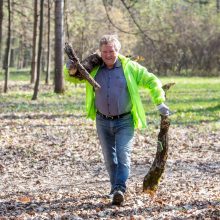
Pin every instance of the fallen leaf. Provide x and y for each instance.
(24, 199)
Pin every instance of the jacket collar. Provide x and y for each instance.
(116, 64)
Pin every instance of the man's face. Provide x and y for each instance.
(109, 54)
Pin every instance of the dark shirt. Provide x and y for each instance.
(113, 98)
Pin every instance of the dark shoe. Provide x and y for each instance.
(118, 198)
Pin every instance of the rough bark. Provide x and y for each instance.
(39, 51)
(8, 49)
(48, 43)
(218, 5)
(1, 20)
(152, 179)
(59, 81)
(85, 67)
(153, 176)
(34, 44)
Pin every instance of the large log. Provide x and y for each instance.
(153, 176)
(84, 68)
(152, 179)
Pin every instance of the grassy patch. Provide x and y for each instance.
(192, 100)
(17, 74)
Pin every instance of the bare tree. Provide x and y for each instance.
(34, 44)
(49, 6)
(1, 19)
(218, 5)
(8, 49)
(66, 20)
(59, 82)
(39, 50)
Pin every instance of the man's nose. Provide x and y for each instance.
(108, 54)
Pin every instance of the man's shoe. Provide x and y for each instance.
(118, 198)
(110, 195)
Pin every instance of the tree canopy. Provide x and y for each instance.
(172, 37)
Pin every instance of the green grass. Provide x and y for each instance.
(14, 74)
(192, 100)
(19, 100)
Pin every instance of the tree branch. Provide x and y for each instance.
(137, 25)
(112, 23)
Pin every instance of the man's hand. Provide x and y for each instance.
(70, 65)
(163, 109)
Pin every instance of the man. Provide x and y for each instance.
(118, 109)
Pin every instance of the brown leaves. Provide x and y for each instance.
(53, 168)
(24, 199)
(1, 169)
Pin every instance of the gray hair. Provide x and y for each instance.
(106, 39)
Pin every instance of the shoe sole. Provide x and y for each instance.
(118, 199)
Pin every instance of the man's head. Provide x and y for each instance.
(109, 47)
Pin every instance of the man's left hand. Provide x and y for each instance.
(163, 109)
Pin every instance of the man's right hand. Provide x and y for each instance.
(71, 66)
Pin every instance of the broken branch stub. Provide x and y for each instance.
(82, 71)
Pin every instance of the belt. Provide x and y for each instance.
(113, 117)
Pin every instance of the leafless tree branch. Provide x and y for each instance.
(112, 23)
(137, 25)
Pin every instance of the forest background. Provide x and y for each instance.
(170, 37)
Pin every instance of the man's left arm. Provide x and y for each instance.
(153, 84)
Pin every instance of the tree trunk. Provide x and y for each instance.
(34, 43)
(8, 49)
(66, 26)
(1, 19)
(12, 57)
(218, 5)
(20, 52)
(39, 50)
(48, 43)
(58, 81)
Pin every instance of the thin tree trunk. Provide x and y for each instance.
(48, 45)
(34, 43)
(39, 51)
(66, 21)
(20, 52)
(8, 49)
(12, 57)
(59, 82)
(1, 19)
(218, 5)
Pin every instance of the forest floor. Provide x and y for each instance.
(51, 167)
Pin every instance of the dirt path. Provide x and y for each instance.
(51, 167)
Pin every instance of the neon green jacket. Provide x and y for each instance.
(136, 76)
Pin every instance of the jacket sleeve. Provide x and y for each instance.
(69, 78)
(150, 81)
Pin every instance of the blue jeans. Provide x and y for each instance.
(116, 137)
